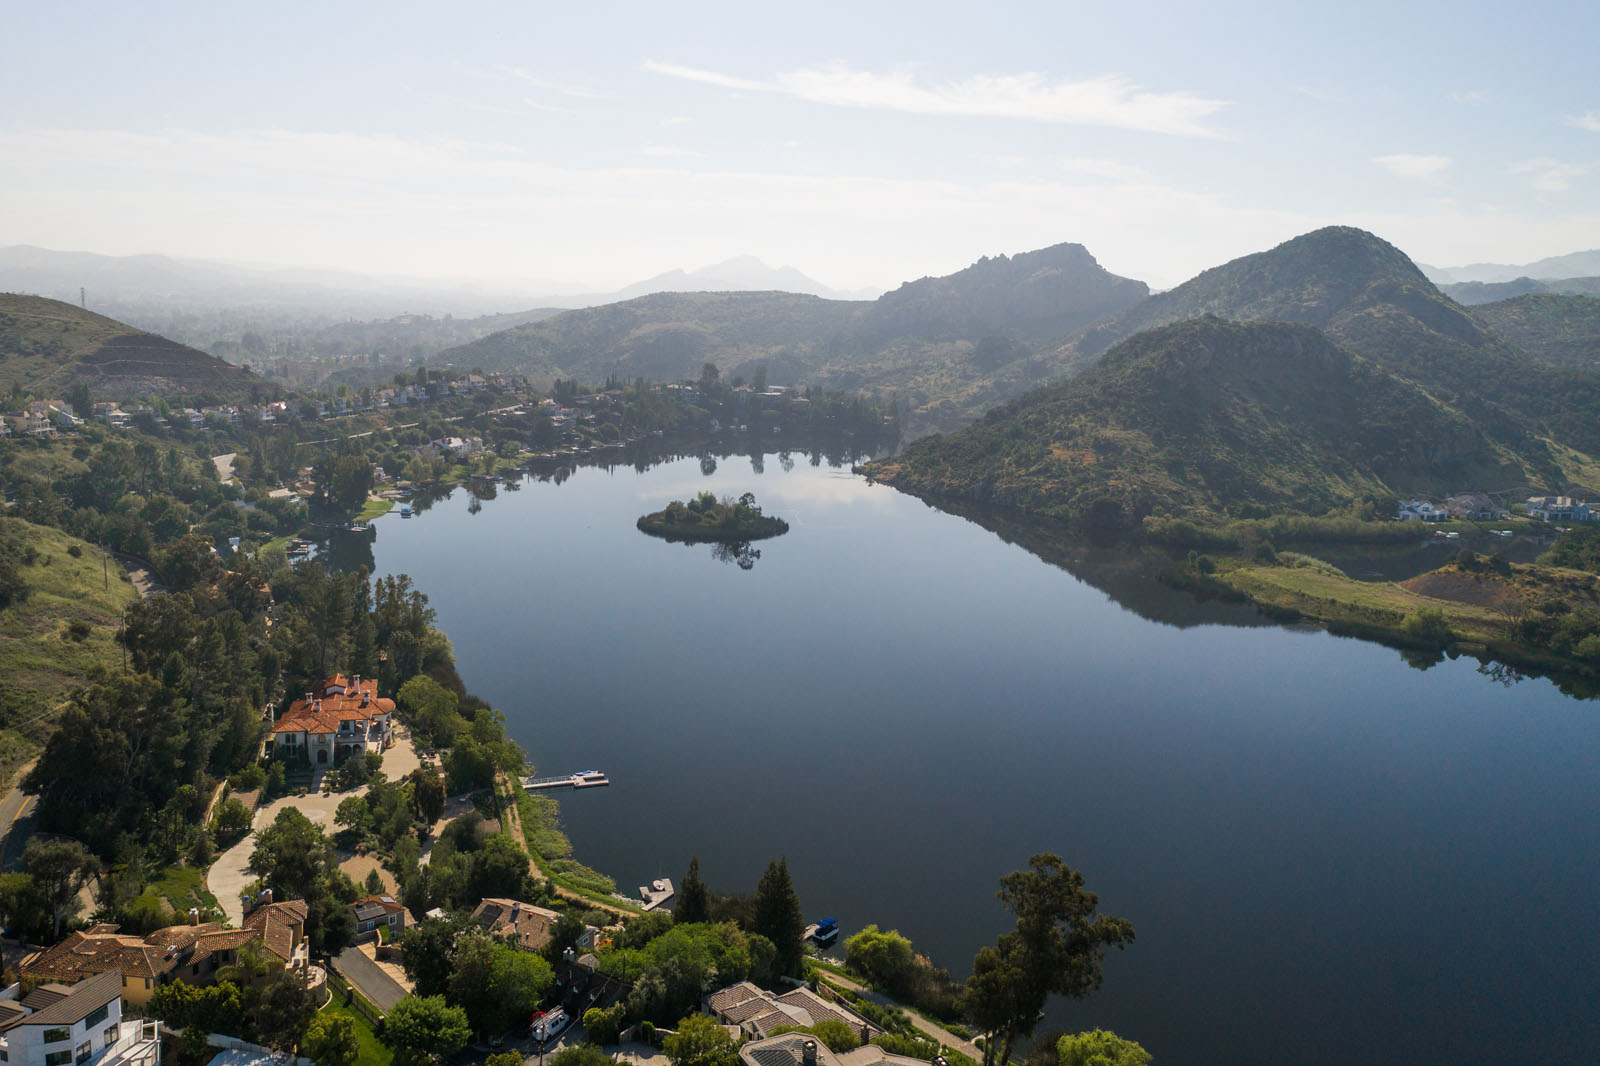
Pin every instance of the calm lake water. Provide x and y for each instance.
(1328, 856)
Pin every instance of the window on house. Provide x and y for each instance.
(84, 1051)
(62, 1033)
(111, 1034)
(96, 1016)
(58, 1058)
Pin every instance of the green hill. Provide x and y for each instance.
(1208, 418)
(47, 346)
(1370, 299)
(53, 634)
(1561, 330)
(948, 347)
(1471, 293)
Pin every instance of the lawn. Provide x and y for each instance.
(374, 1052)
(184, 887)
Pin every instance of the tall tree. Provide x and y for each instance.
(778, 916)
(425, 1029)
(1056, 947)
(694, 898)
(60, 869)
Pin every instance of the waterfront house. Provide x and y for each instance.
(1559, 509)
(192, 953)
(1474, 507)
(55, 1025)
(530, 927)
(333, 721)
(1421, 510)
(758, 1012)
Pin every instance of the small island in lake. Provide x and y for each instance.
(706, 518)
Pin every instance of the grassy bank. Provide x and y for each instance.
(63, 632)
(552, 852)
(1525, 615)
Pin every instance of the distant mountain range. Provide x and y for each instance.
(743, 274)
(948, 347)
(47, 346)
(1482, 292)
(153, 286)
(1574, 265)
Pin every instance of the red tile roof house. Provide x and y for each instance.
(327, 725)
(190, 953)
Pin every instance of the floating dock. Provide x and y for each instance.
(581, 779)
(656, 893)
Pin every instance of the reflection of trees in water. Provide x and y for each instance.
(786, 461)
(758, 463)
(708, 465)
(474, 505)
(739, 552)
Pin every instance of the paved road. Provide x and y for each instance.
(383, 990)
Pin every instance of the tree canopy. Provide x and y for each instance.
(1056, 948)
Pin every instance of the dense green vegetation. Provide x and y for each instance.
(1560, 330)
(61, 604)
(1206, 419)
(706, 518)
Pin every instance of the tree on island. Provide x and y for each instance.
(1056, 947)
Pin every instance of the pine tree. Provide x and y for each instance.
(778, 916)
(694, 898)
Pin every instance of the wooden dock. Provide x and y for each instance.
(581, 779)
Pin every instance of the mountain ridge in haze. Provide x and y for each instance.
(947, 347)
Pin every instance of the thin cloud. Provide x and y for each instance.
(1415, 167)
(560, 88)
(708, 77)
(540, 105)
(1589, 120)
(1469, 96)
(676, 120)
(1104, 168)
(1108, 100)
(1551, 175)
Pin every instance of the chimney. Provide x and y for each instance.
(265, 897)
(808, 1053)
(194, 915)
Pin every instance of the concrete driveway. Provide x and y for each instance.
(230, 874)
(383, 990)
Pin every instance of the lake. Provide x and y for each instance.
(1328, 856)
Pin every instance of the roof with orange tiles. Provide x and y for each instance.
(338, 699)
(280, 925)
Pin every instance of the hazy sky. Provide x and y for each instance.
(863, 143)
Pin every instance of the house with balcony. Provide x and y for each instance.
(335, 720)
(81, 1025)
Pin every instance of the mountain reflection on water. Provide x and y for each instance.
(907, 703)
